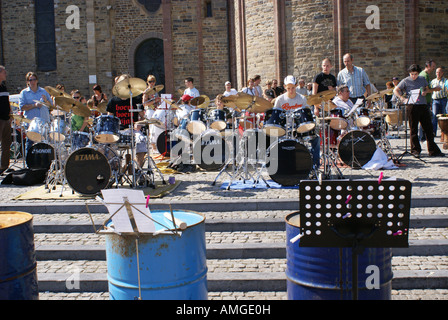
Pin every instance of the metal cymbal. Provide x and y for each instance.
(374, 96)
(148, 122)
(101, 107)
(387, 91)
(124, 88)
(173, 105)
(69, 104)
(318, 98)
(56, 93)
(154, 90)
(18, 118)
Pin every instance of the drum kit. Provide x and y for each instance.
(87, 161)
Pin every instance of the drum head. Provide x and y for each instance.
(166, 141)
(87, 171)
(289, 162)
(40, 156)
(356, 148)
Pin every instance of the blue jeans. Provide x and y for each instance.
(438, 107)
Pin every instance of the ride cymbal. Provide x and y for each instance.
(126, 87)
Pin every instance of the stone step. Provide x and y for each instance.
(244, 281)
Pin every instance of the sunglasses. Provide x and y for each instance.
(34, 79)
(76, 97)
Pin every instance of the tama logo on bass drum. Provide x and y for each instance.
(87, 157)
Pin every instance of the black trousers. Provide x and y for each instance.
(420, 113)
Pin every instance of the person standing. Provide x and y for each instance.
(30, 108)
(229, 90)
(355, 78)
(5, 122)
(418, 111)
(430, 66)
(324, 81)
(439, 98)
(190, 88)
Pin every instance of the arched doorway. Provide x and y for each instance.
(149, 59)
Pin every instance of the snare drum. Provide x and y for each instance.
(275, 123)
(197, 124)
(107, 129)
(58, 129)
(356, 148)
(181, 132)
(80, 140)
(339, 122)
(304, 120)
(218, 119)
(363, 118)
(37, 130)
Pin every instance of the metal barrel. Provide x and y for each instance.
(315, 273)
(165, 267)
(18, 272)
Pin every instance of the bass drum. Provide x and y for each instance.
(40, 156)
(89, 170)
(289, 162)
(210, 151)
(356, 148)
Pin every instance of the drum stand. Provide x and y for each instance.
(384, 143)
(15, 144)
(328, 157)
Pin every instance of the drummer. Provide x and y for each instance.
(78, 123)
(32, 109)
(292, 100)
(343, 101)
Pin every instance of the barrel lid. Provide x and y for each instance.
(13, 218)
(293, 219)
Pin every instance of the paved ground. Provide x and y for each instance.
(429, 185)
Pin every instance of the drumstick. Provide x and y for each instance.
(179, 223)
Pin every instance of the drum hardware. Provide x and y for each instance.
(55, 173)
(15, 142)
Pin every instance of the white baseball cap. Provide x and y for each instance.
(290, 80)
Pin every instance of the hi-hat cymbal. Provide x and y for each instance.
(69, 104)
(56, 93)
(374, 96)
(154, 90)
(19, 118)
(387, 91)
(124, 88)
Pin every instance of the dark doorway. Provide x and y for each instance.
(149, 60)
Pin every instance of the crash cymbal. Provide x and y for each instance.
(244, 101)
(387, 91)
(180, 92)
(154, 90)
(101, 107)
(18, 118)
(374, 96)
(319, 97)
(314, 99)
(206, 102)
(197, 101)
(69, 104)
(173, 105)
(124, 88)
(327, 95)
(56, 93)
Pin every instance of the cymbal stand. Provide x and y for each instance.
(15, 144)
(328, 157)
(232, 160)
(262, 162)
(384, 143)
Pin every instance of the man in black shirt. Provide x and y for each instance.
(5, 122)
(324, 81)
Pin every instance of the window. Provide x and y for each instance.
(150, 5)
(208, 9)
(45, 35)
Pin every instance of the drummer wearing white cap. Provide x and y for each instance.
(293, 100)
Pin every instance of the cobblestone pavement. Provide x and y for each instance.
(428, 181)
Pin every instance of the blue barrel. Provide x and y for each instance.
(171, 267)
(18, 272)
(315, 273)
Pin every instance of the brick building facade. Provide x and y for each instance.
(213, 40)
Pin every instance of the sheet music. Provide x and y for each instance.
(414, 96)
(115, 198)
(163, 104)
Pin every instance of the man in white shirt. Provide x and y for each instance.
(229, 90)
(190, 90)
(292, 100)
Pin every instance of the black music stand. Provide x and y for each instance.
(355, 214)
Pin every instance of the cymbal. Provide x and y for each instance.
(124, 88)
(171, 103)
(205, 103)
(387, 91)
(244, 101)
(101, 107)
(56, 93)
(154, 90)
(49, 106)
(69, 104)
(374, 96)
(318, 98)
(328, 94)
(148, 122)
(197, 101)
(20, 118)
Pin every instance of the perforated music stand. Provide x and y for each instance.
(355, 214)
